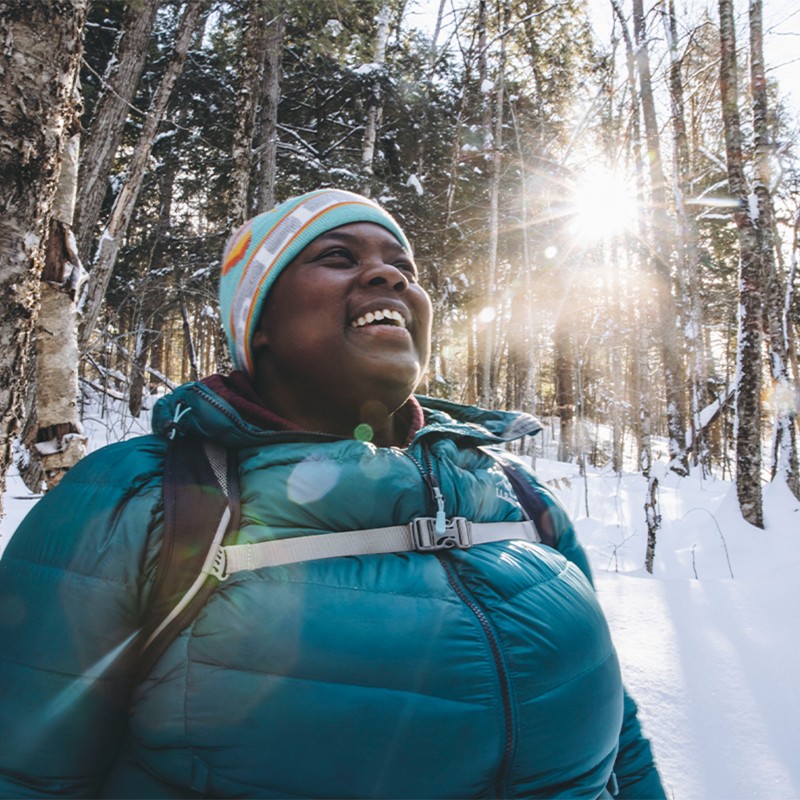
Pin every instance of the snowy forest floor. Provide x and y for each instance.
(709, 644)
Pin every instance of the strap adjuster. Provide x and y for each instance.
(219, 567)
(457, 534)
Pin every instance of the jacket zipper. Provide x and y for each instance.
(500, 666)
(429, 476)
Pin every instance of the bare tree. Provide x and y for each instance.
(40, 50)
(748, 364)
(105, 131)
(687, 242)
(784, 447)
(374, 110)
(660, 253)
(121, 214)
(266, 145)
(251, 70)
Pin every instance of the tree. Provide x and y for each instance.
(120, 82)
(748, 364)
(784, 448)
(124, 205)
(56, 442)
(660, 253)
(687, 245)
(39, 63)
(266, 145)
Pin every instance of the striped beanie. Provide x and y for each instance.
(257, 253)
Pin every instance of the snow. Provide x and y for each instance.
(414, 182)
(709, 644)
(752, 206)
(367, 69)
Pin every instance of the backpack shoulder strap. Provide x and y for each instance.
(532, 496)
(201, 506)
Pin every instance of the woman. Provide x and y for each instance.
(486, 671)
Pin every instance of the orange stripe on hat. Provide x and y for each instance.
(238, 249)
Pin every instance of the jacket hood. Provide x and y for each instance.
(197, 410)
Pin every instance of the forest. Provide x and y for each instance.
(608, 226)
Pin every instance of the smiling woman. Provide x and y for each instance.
(400, 609)
(344, 337)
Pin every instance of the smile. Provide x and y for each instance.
(383, 316)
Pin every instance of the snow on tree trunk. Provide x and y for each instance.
(375, 105)
(40, 51)
(748, 354)
(105, 131)
(688, 249)
(267, 135)
(784, 448)
(660, 258)
(563, 354)
(251, 70)
(121, 214)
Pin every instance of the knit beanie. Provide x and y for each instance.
(257, 253)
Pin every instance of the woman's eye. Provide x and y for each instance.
(338, 254)
(407, 267)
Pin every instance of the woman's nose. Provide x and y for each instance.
(376, 272)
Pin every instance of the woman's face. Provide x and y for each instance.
(346, 322)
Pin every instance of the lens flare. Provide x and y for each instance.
(604, 206)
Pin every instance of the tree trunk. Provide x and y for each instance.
(784, 447)
(251, 69)
(121, 214)
(688, 238)
(40, 51)
(659, 256)
(58, 442)
(563, 353)
(267, 137)
(748, 362)
(375, 105)
(492, 146)
(102, 140)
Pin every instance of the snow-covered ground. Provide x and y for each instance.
(709, 644)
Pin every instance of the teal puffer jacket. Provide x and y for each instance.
(486, 672)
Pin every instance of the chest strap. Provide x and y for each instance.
(418, 536)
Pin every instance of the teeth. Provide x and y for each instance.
(379, 315)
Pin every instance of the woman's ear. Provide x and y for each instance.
(260, 338)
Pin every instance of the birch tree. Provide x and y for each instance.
(40, 51)
(57, 441)
(748, 359)
(375, 105)
(784, 447)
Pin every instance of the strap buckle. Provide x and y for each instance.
(457, 534)
(219, 567)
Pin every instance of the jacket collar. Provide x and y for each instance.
(226, 409)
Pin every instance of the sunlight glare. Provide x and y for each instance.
(605, 205)
(486, 315)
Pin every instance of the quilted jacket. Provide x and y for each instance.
(486, 672)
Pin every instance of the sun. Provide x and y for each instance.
(604, 205)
